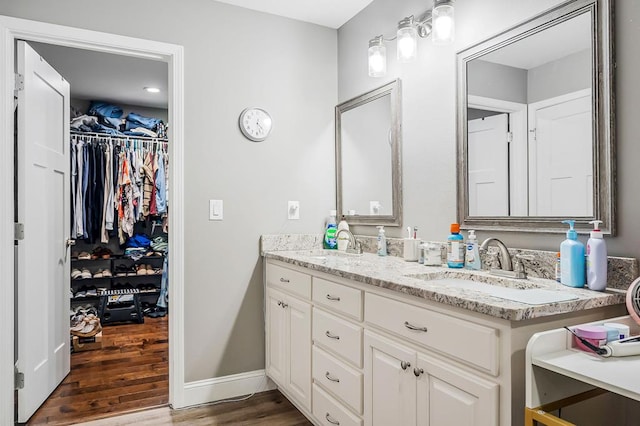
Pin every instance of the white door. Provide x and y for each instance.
(449, 396)
(276, 344)
(389, 383)
(488, 171)
(560, 153)
(299, 320)
(43, 206)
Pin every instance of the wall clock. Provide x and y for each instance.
(255, 124)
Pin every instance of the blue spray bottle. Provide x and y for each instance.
(572, 261)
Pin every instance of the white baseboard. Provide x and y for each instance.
(219, 388)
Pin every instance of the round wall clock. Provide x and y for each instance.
(255, 124)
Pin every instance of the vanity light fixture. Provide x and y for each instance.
(438, 21)
(152, 89)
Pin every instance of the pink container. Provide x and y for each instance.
(594, 334)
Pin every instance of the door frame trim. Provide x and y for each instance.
(15, 28)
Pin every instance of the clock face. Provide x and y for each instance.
(255, 124)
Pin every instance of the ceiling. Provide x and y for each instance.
(328, 13)
(121, 79)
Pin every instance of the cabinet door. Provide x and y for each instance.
(299, 323)
(447, 395)
(389, 383)
(276, 337)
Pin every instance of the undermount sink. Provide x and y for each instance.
(508, 289)
(325, 254)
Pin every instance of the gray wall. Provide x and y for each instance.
(234, 58)
(429, 111)
(496, 81)
(566, 75)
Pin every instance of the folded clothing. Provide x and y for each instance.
(141, 131)
(136, 120)
(138, 240)
(105, 109)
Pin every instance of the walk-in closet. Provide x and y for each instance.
(119, 216)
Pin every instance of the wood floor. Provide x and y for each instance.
(130, 372)
(264, 409)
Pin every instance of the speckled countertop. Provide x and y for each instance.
(434, 283)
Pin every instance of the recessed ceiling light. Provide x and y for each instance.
(152, 89)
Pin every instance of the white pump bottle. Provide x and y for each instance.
(596, 259)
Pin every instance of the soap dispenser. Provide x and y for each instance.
(596, 259)
(572, 268)
(382, 242)
(472, 257)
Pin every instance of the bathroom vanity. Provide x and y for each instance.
(362, 339)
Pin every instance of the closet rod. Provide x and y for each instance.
(121, 137)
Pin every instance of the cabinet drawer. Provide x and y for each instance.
(472, 343)
(336, 376)
(330, 412)
(338, 335)
(289, 280)
(338, 297)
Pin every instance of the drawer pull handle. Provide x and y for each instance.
(328, 376)
(284, 280)
(331, 336)
(331, 419)
(405, 364)
(418, 371)
(330, 297)
(414, 327)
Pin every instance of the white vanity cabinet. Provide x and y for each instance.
(288, 333)
(348, 353)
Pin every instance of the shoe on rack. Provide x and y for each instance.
(85, 273)
(84, 255)
(141, 269)
(98, 274)
(106, 273)
(91, 291)
(75, 273)
(82, 292)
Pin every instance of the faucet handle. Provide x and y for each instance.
(519, 267)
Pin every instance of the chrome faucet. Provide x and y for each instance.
(505, 257)
(353, 247)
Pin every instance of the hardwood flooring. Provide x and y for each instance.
(130, 372)
(264, 409)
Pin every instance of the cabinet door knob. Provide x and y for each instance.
(404, 365)
(330, 297)
(284, 280)
(414, 327)
(331, 419)
(333, 379)
(417, 371)
(279, 303)
(284, 305)
(331, 336)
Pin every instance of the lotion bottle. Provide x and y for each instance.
(596, 259)
(382, 242)
(472, 255)
(572, 261)
(343, 239)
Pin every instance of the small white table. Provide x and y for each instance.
(558, 375)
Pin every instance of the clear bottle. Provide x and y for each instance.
(382, 242)
(558, 267)
(472, 255)
(343, 238)
(331, 228)
(455, 247)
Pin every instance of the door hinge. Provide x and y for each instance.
(19, 379)
(18, 231)
(533, 133)
(509, 137)
(19, 82)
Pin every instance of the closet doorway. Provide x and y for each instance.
(13, 29)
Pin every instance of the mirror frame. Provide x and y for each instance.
(393, 90)
(603, 119)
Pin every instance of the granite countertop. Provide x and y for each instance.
(437, 284)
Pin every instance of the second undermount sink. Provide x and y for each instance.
(508, 289)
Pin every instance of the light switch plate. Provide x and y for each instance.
(293, 210)
(215, 210)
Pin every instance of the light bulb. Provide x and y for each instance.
(443, 24)
(377, 57)
(407, 45)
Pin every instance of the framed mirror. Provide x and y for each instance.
(368, 157)
(535, 123)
